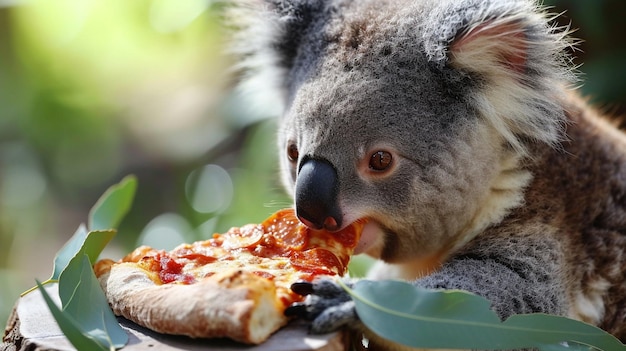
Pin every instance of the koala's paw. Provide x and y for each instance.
(327, 305)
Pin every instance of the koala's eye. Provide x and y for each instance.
(292, 152)
(380, 161)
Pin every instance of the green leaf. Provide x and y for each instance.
(84, 301)
(104, 216)
(68, 251)
(95, 242)
(70, 327)
(113, 205)
(568, 347)
(91, 243)
(91, 247)
(86, 318)
(423, 318)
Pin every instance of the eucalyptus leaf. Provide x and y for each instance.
(423, 318)
(90, 248)
(70, 327)
(86, 318)
(113, 205)
(63, 257)
(68, 251)
(95, 242)
(83, 300)
(90, 243)
(104, 216)
(568, 346)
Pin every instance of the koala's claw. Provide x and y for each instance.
(297, 309)
(303, 288)
(327, 305)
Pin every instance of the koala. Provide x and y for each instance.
(453, 128)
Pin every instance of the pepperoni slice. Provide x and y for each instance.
(317, 261)
(349, 236)
(287, 230)
(244, 237)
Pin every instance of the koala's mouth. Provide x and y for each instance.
(371, 241)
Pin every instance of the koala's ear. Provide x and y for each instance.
(515, 59)
(493, 49)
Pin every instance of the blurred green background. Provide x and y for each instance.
(93, 90)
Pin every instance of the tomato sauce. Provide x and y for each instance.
(172, 271)
(198, 258)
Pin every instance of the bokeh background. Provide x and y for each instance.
(93, 90)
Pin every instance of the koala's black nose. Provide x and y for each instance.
(316, 195)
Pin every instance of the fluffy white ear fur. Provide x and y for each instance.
(514, 94)
(493, 49)
(255, 27)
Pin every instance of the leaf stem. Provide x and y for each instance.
(45, 282)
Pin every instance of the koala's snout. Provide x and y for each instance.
(317, 186)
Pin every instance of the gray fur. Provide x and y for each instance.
(502, 179)
(531, 272)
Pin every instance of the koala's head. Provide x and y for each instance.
(411, 114)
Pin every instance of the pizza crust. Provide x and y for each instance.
(234, 304)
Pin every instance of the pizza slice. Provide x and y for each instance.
(234, 285)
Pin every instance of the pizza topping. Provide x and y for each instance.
(348, 237)
(279, 243)
(196, 257)
(150, 262)
(270, 248)
(246, 236)
(287, 230)
(172, 271)
(318, 261)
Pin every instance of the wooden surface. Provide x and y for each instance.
(31, 327)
